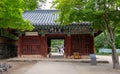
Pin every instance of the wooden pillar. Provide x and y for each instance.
(92, 45)
(43, 46)
(20, 46)
(40, 45)
(68, 46)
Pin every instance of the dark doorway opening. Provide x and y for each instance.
(56, 47)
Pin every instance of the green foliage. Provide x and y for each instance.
(5, 33)
(57, 43)
(117, 42)
(88, 10)
(11, 13)
(104, 14)
(101, 41)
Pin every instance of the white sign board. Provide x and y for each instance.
(31, 33)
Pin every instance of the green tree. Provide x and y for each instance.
(11, 13)
(100, 41)
(104, 14)
(117, 43)
(56, 43)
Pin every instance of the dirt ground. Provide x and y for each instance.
(47, 67)
(18, 67)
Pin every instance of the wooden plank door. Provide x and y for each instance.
(31, 45)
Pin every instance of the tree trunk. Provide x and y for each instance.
(112, 44)
(115, 57)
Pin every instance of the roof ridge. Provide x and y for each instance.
(48, 9)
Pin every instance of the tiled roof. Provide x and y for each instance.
(42, 17)
(45, 20)
(46, 17)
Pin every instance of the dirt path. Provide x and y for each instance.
(21, 67)
(46, 67)
(62, 68)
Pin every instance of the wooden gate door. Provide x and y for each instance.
(82, 44)
(31, 45)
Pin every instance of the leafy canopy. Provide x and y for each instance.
(89, 10)
(11, 13)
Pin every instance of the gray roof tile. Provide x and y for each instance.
(42, 17)
(46, 17)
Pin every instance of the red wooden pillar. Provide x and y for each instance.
(92, 45)
(20, 46)
(40, 45)
(68, 46)
(44, 46)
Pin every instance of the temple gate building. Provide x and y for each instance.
(78, 37)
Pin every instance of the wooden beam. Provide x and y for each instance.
(20, 46)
